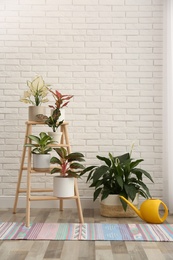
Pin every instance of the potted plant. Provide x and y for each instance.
(36, 95)
(61, 101)
(41, 155)
(53, 122)
(68, 167)
(117, 176)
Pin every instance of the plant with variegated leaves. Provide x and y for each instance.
(67, 164)
(38, 90)
(41, 143)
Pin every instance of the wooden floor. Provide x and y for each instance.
(79, 250)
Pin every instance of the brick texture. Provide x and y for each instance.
(108, 54)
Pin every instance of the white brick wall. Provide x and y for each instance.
(108, 54)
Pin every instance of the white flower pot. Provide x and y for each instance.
(33, 111)
(56, 136)
(41, 162)
(63, 187)
(112, 207)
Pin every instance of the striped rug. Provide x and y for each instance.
(87, 231)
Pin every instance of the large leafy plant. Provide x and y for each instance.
(41, 143)
(67, 164)
(118, 175)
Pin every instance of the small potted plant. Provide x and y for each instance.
(36, 95)
(68, 167)
(117, 176)
(41, 151)
(61, 101)
(53, 122)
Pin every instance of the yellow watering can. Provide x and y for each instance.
(149, 210)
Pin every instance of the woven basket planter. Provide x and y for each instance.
(112, 207)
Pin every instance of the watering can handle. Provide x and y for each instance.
(166, 211)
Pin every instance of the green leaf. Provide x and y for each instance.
(55, 160)
(88, 169)
(138, 174)
(145, 188)
(143, 172)
(34, 138)
(119, 170)
(98, 184)
(61, 151)
(106, 160)
(133, 164)
(120, 181)
(73, 174)
(124, 204)
(47, 150)
(99, 172)
(74, 156)
(123, 157)
(105, 194)
(76, 166)
(43, 135)
(131, 191)
(54, 170)
(44, 140)
(144, 194)
(89, 176)
(97, 193)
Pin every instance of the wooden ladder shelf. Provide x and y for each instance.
(28, 190)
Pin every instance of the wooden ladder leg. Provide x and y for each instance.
(28, 192)
(61, 206)
(80, 213)
(64, 140)
(65, 132)
(20, 172)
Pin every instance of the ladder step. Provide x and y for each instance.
(34, 198)
(36, 190)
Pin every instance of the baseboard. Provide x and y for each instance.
(8, 202)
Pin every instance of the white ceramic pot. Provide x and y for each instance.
(112, 207)
(41, 162)
(33, 111)
(56, 136)
(63, 187)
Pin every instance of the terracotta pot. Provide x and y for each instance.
(41, 162)
(112, 207)
(63, 187)
(35, 110)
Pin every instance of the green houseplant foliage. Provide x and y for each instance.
(118, 175)
(41, 143)
(67, 164)
(52, 121)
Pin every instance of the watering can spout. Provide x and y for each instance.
(132, 206)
